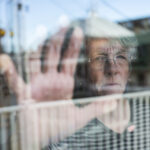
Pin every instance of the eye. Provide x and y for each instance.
(121, 57)
(101, 58)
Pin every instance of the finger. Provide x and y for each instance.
(70, 57)
(15, 82)
(52, 51)
(33, 63)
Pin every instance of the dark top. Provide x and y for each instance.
(96, 136)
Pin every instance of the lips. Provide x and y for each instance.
(112, 84)
(111, 87)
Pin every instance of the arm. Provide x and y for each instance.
(70, 118)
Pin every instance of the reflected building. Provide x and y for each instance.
(141, 68)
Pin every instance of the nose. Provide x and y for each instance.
(111, 67)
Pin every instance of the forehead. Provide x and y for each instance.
(97, 46)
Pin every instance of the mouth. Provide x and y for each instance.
(112, 84)
(112, 87)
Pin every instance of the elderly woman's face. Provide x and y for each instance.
(108, 66)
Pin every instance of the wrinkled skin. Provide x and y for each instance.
(112, 78)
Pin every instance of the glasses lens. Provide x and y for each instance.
(120, 59)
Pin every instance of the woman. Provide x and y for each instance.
(107, 72)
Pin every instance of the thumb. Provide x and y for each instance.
(15, 82)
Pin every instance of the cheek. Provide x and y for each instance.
(96, 77)
(125, 74)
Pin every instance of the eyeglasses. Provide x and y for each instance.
(120, 59)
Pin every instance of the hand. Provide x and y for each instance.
(52, 84)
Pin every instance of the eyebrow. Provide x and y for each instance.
(123, 51)
(105, 54)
